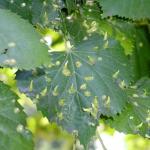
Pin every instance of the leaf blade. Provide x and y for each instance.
(138, 9)
(20, 44)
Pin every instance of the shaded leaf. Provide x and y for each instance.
(19, 43)
(113, 27)
(21, 7)
(73, 28)
(134, 9)
(46, 12)
(71, 5)
(141, 54)
(12, 120)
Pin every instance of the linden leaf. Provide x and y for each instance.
(135, 119)
(19, 43)
(65, 92)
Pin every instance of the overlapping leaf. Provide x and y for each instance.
(134, 9)
(114, 28)
(135, 119)
(19, 43)
(12, 120)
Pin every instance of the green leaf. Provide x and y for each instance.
(134, 9)
(68, 96)
(114, 28)
(21, 7)
(46, 12)
(73, 26)
(19, 43)
(135, 119)
(140, 58)
(71, 5)
(89, 63)
(32, 83)
(12, 120)
(121, 31)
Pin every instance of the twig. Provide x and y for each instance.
(102, 143)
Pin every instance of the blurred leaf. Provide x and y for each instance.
(12, 122)
(7, 75)
(141, 54)
(52, 38)
(71, 5)
(43, 130)
(135, 142)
